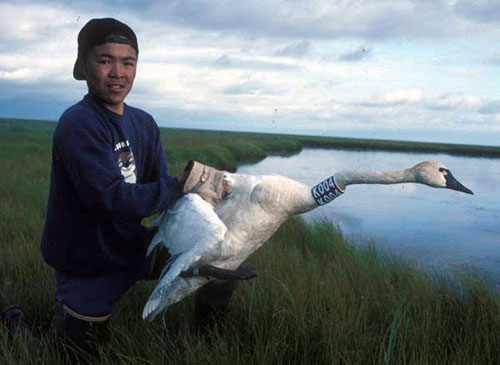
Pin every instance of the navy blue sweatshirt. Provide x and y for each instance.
(108, 173)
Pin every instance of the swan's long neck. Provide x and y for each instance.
(346, 178)
(334, 186)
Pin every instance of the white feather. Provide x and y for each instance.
(192, 232)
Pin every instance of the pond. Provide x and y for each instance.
(437, 228)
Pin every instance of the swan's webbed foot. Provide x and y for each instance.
(243, 272)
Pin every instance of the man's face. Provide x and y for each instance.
(110, 71)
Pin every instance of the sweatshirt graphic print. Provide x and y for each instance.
(126, 162)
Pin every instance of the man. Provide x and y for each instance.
(108, 173)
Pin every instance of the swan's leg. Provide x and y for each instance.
(244, 272)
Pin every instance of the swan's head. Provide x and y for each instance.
(437, 175)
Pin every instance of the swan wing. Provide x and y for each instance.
(191, 230)
(183, 225)
(178, 289)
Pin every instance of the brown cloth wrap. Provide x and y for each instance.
(206, 181)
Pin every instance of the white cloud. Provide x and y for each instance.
(239, 60)
(252, 87)
(296, 49)
(457, 101)
(22, 74)
(320, 19)
(400, 96)
(483, 11)
(490, 107)
(33, 22)
(356, 55)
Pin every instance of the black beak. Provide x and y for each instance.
(454, 184)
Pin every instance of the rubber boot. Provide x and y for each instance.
(17, 323)
(212, 300)
(78, 336)
(14, 317)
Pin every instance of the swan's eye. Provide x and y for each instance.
(441, 169)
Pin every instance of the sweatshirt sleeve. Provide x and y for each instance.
(159, 162)
(84, 148)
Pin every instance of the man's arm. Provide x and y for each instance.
(85, 152)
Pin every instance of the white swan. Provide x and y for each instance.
(223, 234)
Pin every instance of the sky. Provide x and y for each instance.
(419, 70)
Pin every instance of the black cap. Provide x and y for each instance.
(100, 31)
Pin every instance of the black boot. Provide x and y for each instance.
(212, 299)
(78, 335)
(17, 323)
(212, 302)
(15, 319)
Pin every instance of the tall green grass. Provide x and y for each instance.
(318, 299)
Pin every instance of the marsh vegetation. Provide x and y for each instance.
(318, 299)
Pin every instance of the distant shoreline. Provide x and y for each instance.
(403, 146)
(302, 140)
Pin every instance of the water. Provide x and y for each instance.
(437, 228)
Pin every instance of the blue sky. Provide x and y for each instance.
(413, 70)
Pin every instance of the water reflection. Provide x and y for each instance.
(437, 227)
